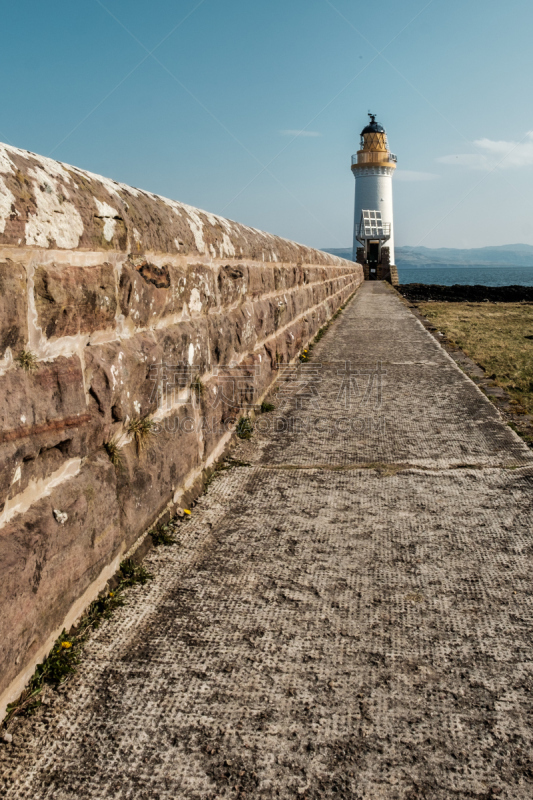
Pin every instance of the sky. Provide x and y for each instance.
(252, 110)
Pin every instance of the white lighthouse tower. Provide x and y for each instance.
(373, 167)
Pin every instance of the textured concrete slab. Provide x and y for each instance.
(379, 388)
(348, 616)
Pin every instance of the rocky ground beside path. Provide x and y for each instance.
(462, 293)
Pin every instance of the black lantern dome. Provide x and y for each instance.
(373, 126)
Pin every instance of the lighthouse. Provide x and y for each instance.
(373, 167)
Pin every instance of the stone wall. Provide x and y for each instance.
(109, 296)
(385, 271)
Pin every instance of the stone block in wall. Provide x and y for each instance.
(303, 299)
(148, 480)
(44, 421)
(285, 308)
(265, 317)
(37, 401)
(144, 295)
(124, 377)
(287, 276)
(314, 274)
(45, 566)
(384, 267)
(242, 329)
(13, 307)
(186, 343)
(222, 340)
(117, 376)
(230, 393)
(281, 311)
(334, 285)
(33, 458)
(71, 300)
(244, 326)
(199, 292)
(148, 292)
(320, 292)
(282, 348)
(232, 283)
(260, 280)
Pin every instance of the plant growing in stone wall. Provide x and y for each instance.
(114, 451)
(197, 386)
(141, 428)
(27, 360)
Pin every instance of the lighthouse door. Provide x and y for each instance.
(373, 260)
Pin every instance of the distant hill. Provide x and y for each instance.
(507, 255)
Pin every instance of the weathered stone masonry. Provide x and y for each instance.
(105, 284)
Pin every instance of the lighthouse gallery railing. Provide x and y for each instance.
(373, 158)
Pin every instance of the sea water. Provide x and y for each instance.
(470, 276)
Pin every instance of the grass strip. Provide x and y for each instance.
(497, 336)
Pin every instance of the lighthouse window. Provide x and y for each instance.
(372, 223)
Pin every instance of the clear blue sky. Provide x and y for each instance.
(209, 116)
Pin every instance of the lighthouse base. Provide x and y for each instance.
(378, 271)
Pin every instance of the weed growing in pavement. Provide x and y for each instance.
(64, 657)
(60, 663)
(320, 333)
(162, 536)
(230, 463)
(141, 428)
(244, 428)
(27, 360)
(134, 573)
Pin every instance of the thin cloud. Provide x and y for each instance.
(501, 154)
(309, 134)
(411, 176)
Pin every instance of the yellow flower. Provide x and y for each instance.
(66, 645)
(186, 511)
(111, 594)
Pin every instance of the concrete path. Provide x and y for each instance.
(348, 616)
